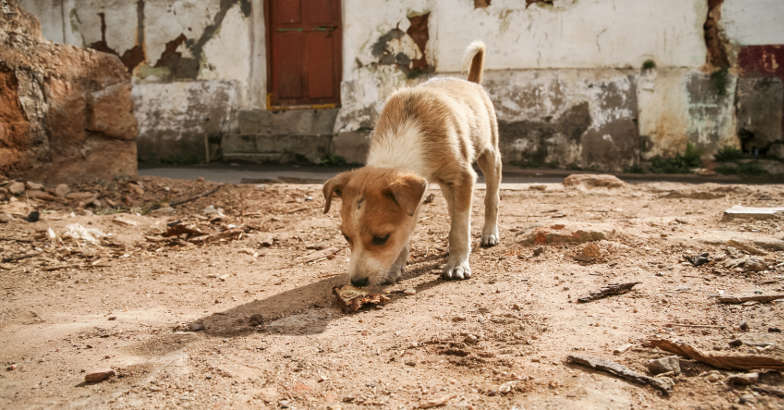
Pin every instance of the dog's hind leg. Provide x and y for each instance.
(458, 193)
(490, 164)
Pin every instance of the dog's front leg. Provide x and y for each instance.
(458, 197)
(397, 268)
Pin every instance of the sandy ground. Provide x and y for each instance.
(239, 311)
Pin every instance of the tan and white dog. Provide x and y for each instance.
(430, 133)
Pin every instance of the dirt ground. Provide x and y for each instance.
(235, 308)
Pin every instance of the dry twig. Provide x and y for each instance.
(609, 290)
(620, 371)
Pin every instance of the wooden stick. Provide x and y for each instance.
(698, 326)
(720, 360)
(620, 371)
(195, 197)
(609, 290)
(755, 298)
(768, 390)
(20, 257)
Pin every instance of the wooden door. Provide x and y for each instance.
(303, 52)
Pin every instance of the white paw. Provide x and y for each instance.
(490, 238)
(457, 270)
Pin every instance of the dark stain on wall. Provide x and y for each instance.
(179, 66)
(133, 56)
(543, 139)
(418, 31)
(480, 4)
(717, 49)
(544, 2)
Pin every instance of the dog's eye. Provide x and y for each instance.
(380, 240)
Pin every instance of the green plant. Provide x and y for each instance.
(742, 168)
(648, 65)
(634, 169)
(679, 164)
(727, 154)
(331, 160)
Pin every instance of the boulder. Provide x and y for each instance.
(66, 113)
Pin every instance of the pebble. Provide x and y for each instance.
(744, 326)
(747, 399)
(99, 375)
(62, 190)
(713, 377)
(284, 404)
(5, 218)
(664, 365)
(34, 186)
(409, 292)
(16, 188)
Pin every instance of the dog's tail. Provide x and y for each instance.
(475, 61)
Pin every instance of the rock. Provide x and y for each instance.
(5, 218)
(753, 264)
(81, 196)
(138, 189)
(743, 379)
(164, 210)
(60, 92)
(34, 186)
(109, 112)
(16, 188)
(697, 260)
(62, 190)
(713, 377)
(589, 253)
(744, 326)
(593, 181)
(747, 398)
(41, 195)
(33, 216)
(556, 234)
(98, 375)
(284, 404)
(664, 365)
(256, 320)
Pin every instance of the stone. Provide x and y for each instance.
(593, 181)
(743, 379)
(41, 195)
(81, 196)
(16, 188)
(111, 112)
(556, 234)
(5, 218)
(664, 365)
(34, 186)
(98, 375)
(713, 377)
(589, 253)
(62, 190)
(747, 398)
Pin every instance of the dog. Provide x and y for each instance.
(433, 132)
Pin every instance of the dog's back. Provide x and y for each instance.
(440, 122)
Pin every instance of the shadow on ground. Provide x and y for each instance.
(304, 310)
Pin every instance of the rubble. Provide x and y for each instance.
(593, 181)
(68, 111)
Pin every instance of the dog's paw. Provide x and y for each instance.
(490, 238)
(457, 271)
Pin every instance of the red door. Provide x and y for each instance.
(303, 52)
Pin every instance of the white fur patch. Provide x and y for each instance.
(401, 148)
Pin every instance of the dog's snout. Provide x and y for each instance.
(359, 282)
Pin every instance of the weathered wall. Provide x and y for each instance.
(585, 83)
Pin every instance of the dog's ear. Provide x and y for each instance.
(407, 191)
(334, 186)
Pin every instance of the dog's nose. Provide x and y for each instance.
(359, 282)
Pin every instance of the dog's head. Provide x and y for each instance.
(378, 214)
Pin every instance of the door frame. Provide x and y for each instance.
(338, 65)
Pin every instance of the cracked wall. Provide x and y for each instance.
(567, 79)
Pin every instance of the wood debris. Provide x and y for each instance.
(735, 300)
(769, 391)
(729, 361)
(353, 299)
(609, 290)
(663, 385)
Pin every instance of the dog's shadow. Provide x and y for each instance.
(304, 310)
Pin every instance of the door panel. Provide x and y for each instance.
(304, 52)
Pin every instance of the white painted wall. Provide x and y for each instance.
(574, 33)
(753, 22)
